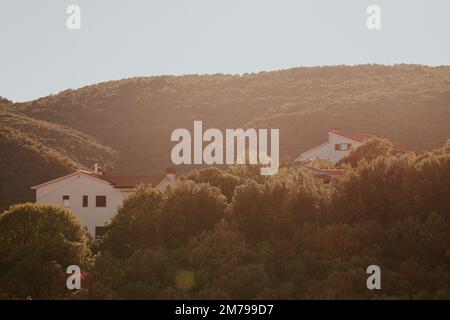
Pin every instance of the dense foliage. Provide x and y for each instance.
(287, 236)
(290, 236)
(37, 244)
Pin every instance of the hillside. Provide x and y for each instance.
(33, 151)
(408, 103)
(80, 147)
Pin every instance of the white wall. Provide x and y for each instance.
(327, 151)
(170, 178)
(76, 186)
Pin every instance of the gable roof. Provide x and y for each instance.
(122, 182)
(362, 137)
(73, 174)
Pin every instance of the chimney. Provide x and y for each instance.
(99, 169)
(170, 173)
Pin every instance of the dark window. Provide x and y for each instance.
(100, 231)
(85, 201)
(100, 201)
(66, 202)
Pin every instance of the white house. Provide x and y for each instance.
(340, 144)
(93, 196)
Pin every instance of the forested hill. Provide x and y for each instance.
(408, 103)
(34, 151)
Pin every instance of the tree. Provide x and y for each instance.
(368, 151)
(137, 224)
(189, 209)
(276, 207)
(226, 182)
(37, 243)
(380, 190)
(289, 236)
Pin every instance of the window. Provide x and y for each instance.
(85, 201)
(100, 231)
(66, 201)
(100, 201)
(342, 146)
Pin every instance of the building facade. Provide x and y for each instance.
(339, 145)
(93, 197)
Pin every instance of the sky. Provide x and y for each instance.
(39, 55)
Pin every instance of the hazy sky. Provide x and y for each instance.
(120, 39)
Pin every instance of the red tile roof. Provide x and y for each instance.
(361, 137)
(130, 181)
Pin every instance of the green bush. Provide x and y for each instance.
(37, 244)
